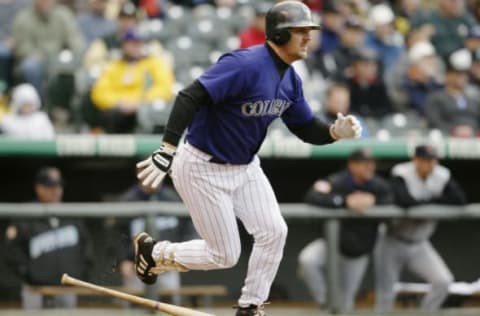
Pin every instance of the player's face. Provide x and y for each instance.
(424, 166)
(297, 46)
(49, 193)
(362, 170)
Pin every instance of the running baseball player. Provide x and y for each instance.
(406, 242)
(217, 172)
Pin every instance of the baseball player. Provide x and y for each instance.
(406, 241)
(357, 188)
(217, 173)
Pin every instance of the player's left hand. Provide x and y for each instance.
(345, 127)
(155, 168)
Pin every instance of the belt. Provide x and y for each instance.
(403, 239)
(218, 161)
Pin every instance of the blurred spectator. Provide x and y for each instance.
(351, 38)
(40, 33)
(93, 23)
(472, 41)
(474, 9)
(337, 100)
(446, 27)
(8, 11)
(387, 43)
(405, 11)
(26, 120)
(152, 8)
(134, 81)
(356, 188)
(406, 243)
(451, 109)
(255, 33)
(368, 93)
(108, 48)
(410, 90)
(332, 26)
(72, 5)
(166, 228)
(45, 248)
(194, 3)
(473, 88)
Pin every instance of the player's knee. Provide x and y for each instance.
(276, 233)
(272, 236)
(442, 284)
(224, 259)
(313, 255)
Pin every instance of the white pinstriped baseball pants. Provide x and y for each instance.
(215, 195)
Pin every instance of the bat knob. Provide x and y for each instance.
(64, 279)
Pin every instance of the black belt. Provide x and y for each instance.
(218, 161)
(403, 239)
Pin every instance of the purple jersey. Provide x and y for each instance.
(248, 94)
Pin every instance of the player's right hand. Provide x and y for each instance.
(154, 168)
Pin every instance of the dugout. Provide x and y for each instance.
(96, 168)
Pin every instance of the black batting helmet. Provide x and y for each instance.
(285, 15)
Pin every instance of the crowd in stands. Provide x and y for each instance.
(113, 66)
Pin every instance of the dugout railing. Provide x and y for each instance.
(330, 217)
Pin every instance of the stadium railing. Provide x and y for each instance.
(331, 218)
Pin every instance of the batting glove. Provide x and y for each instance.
(155, 167)
(346, 127)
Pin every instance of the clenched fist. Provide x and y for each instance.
(345, 127)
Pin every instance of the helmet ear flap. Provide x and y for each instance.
(281, 36)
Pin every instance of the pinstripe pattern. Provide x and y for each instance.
(215, 195)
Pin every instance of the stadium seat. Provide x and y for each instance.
(404, 124)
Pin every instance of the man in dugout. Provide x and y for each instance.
(356, 188)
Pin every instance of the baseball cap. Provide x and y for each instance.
(425, 152)
(49, 176)
(364, 54)
(25, 93)
(128, 9)
(132, 35)
(354, 23)
(460, 60)
(381, 14)
(419, 51)
(361, 154)
(330, 7)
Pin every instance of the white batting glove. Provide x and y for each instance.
(155, 167)
(345, 127)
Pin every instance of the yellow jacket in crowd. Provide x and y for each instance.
(142, 81)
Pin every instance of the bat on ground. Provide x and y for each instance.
(173, 310)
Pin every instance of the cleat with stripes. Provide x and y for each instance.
(144, 263)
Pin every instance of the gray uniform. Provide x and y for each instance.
(405, 243)
(357, 237)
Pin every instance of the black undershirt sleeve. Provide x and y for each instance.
(184, 108)
(315, 132)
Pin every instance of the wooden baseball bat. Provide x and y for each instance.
(173, 310)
